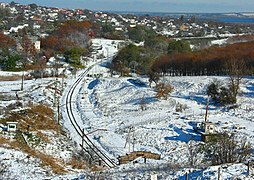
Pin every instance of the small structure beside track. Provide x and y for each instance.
(136, 154)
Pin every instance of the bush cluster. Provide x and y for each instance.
(221, 94)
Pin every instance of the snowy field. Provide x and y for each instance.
(109, 109)
(112, 115)
(112, 105)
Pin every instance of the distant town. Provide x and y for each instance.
(40, 21)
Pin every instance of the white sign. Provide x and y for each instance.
(153, 176)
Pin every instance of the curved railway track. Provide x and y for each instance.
(96, 152)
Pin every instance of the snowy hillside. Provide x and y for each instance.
(109, 109)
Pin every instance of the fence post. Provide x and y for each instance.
(248, 173)
(82, 143)
(219, 173)
(58, 112)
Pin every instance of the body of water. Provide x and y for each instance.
(220, 17)
(236, 20)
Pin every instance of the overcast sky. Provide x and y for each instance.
(204, 6)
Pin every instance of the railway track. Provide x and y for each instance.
(94, 151)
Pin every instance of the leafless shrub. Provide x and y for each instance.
(142, 104)
(77, 163)
(163, 90)
(226, 148)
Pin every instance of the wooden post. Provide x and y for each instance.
(90, 160)
(219, 173)
(62, 89)
(83, 134)
(58, 112)
(206, 112)
(128, 139)
(22, 81)
(82, 142)
(129, 146)
(55, 94)
(133, 140)
(28, 127)
(248, 171)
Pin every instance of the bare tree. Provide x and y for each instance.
(28, 50)
(42, 64)
(227, 94)
(193, 151)
(236, 69)
(153, 77)
(79, 38)
(143, 103)
(226, 148)
(134, 64)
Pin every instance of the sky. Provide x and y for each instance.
(170, 6)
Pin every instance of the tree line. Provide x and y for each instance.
(208, 62)
(175, 57)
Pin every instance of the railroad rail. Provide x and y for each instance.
(69, 111)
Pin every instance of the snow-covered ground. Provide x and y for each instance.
(109, 109)
(111, 113)
(114, 104)
(219, 42)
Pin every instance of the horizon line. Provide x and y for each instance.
(135, 11)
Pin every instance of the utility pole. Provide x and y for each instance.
(219, 173)
(58, 111)
(55, 94)
(206, 112)
(22, 78)
(133, 139)
(62, 88)
(22, 81)
(186, 176)
(56, 98)
(83, 135)
(248, 171)
(127, 139)
(55, 74)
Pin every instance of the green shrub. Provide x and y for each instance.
(221, 94)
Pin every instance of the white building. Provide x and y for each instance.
(37, 45)
(15, 29)
(3, 5)
(12, 126)
(53, 14)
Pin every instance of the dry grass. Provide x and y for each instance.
(163, 90)
(47, 160)
(77, 163)
(4, 120)
(3, 140)
(50, 161)
(19, 145)
(43, 137)
(43, 110)
(37, 117)
(97, 168)
(14, 78)
(10, 78)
